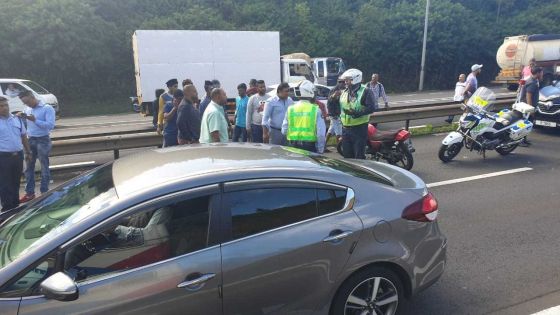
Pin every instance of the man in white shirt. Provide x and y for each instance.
(459, 96)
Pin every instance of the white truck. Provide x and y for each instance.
(232, 57)
(517, 51)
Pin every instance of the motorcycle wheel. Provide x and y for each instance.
(339, 148)
(506, 150)
(449, 152)
(406, 161)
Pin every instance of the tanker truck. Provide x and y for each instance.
(516, 51)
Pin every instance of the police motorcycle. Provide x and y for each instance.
(481, 130)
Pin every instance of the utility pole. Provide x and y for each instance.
(421, 85)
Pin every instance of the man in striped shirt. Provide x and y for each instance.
(378, 90)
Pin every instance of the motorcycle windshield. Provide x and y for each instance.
(482, 99)
(549, 92)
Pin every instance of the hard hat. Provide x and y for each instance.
(306, 89)
(354, 74)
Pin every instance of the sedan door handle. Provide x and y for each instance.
(337, 237)
(192, 284)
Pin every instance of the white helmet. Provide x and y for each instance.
(306, 89)
(354, 74)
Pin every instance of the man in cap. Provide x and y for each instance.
(472, 82)
(166, 98)
(357, 103)
(13, 142)
(304, 126)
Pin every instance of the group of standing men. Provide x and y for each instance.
(183, 119)
(25, 136)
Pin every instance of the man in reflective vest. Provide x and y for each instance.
(303, 125)
(357, 104)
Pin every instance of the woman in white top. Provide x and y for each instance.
(459, 94)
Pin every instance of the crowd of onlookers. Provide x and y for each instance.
(181, 116)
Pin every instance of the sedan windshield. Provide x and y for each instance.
(55, 213)
(36, 87)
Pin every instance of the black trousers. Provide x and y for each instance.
(354, 140)
(304, 145)
(11, 167)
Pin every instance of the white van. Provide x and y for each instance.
(10, 89)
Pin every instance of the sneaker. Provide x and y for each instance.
(327, 151)
(26, 198)
(449, 121)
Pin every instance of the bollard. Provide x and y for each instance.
(116, 154)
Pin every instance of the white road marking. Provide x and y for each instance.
(54, 167)
(549, 311)
(471, 178)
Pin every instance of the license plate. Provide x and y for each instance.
(545, 123)
(410, 147)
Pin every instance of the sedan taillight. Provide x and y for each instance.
(423, 210)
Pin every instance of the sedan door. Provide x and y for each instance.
(161, 259)
(289, 242)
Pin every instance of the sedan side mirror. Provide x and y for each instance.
(60, 287)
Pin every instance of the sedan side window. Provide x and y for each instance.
(141, 239)
(330, 200)
(255, 211)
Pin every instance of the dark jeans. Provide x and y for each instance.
(170, 140)
(155, 110)
(304, 145)
(11, 166)
(40, 149)
(257, 133)
(239, 132)
(354, 140)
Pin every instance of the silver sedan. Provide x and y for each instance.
(223, 229)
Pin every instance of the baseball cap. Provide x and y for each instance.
(476, 67)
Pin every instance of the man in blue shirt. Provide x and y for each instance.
(241, 101)
(13, 140)
(40, 121)
(170, 131)
(274, 112)
(208, 86)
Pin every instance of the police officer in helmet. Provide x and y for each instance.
(357, 103)
(303, 125)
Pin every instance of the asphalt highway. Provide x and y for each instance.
(501, 217)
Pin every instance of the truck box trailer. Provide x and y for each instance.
(232, 57)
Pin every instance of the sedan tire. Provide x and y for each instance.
(371, 291)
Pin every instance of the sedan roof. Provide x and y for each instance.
(155, 167)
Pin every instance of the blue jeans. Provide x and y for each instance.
(257, 133)
(170, 140)
(239, 132)
(40, 149)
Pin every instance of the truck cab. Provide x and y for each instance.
(10, 89)
(328, 70)
(295, 70)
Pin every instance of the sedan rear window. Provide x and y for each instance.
(350, 169)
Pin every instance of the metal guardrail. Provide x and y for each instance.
(143, 139)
